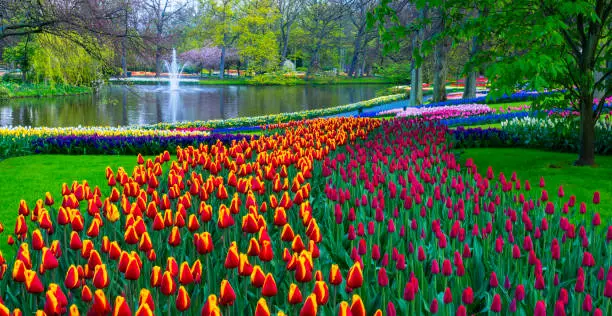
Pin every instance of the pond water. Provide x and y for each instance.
(122, 105)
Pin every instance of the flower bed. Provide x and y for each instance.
(442, 112)
(283, 117)
(339, 216)
(17, 141)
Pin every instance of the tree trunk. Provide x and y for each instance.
(123, 59)
(222, 63)
(158, 61)
(285, 39)
(440, 69)
(416, 80)
(586, 155)
(469, 91)
(356, 51)
(314, 60)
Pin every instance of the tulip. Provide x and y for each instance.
(269, 286)
(295, 295)
(357, 306)
(121, 307)
(100, 303)
(310, 306)
(540, 309)
(321, 292)
(72, 278)
(145, 298)
(262, 308)
(496, 304)
(183, 301)
(227, 296)
(354, 278)
(335, 277)
(168, 285)
(468, 296)
(132, 271)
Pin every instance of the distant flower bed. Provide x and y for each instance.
(555, 131)
(442, 112)
(280, 118)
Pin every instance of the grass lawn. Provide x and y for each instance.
(504, 106)
(30, 177)
(557, 170)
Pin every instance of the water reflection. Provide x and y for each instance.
(118, 105)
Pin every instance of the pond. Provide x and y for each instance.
(146, 104)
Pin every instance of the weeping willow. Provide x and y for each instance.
(59, 60)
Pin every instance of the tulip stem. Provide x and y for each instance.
(334, 299)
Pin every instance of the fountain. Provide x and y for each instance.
(174, 72)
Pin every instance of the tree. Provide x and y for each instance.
(358, 18)
(257, 42)
(320, 21)
(289, 11)
(540, 45)
(161, 14)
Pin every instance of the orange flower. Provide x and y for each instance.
(37, 240)
(245, 268)
(183, 301)
(357, 307)
(269, 286)
(86, 294)
(262, 308)
(168, 285)
(45, 221)
(303, 270)
(354, 278)
(196, 271)
(232, 260)
(132, 272)
(144, 310)
(222, 193)
(145, 242)
(210, 308)
(73, 310)
(321, 291)
(72, 278)
(100, 303)
(204, 244)
(172, 266)
(20, 226)
(156, 276)
(100, 278)
(94, 229)
(49, 261)
(32, 282)
(295, 295)
(280, 216)
(345, 309)
(249, 224)
(185, 276)
(49, 199)
(174, 239)
(121, 307)
(335, 277)
(266, 253)
(114, 251)
(75, 241)
(227, 296)
(205, 212)
(52, 304)
(193, 224)
(287, 234)
(297, 245)
(225, 218)
(254, 249)
(310, 306)
(145, 298)
(257, 277)
(23, 208)
(131, 236)
(158, 222)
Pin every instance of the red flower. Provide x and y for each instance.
(335, 277)
(448, 296)
(596, 198)
(227, 296)
(354, 278)
(357, 307)
(295, 295)
(496, 304)
(262, 308)
(321, 292)
(121, 307)
(468, 296)
(310, 306)
(183, 301)
(269, 286)
(168, 285)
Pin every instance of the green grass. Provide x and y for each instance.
(17, 90)
(272, 81)
(484, 126)
(504, 106)
(30, 177)
(557, 170)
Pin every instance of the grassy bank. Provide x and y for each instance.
(267, 81)
(28, 90)
(28, 178)
(556, 168)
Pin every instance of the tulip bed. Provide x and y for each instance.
(348, 216)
